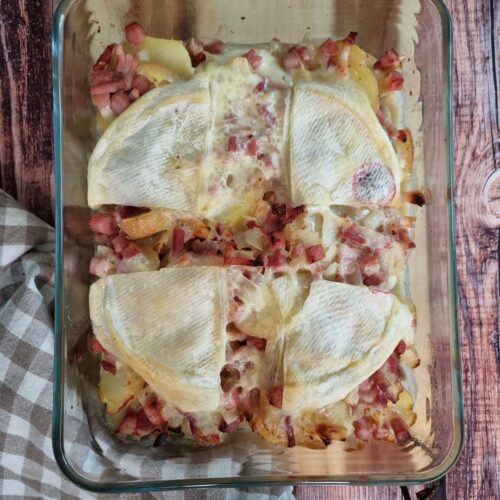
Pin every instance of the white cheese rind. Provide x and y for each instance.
(342, 335)
(334, 132)
(151, 155)
(169, 326)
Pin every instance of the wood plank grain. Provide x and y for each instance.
(26, 103)
(477, 155)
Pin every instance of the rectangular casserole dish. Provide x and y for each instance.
(419, 30)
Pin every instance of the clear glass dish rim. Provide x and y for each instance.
(255, 481)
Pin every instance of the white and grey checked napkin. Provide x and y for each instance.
(27, 465)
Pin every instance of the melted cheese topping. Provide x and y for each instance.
(167, 330)
(334, 133)
(342, 335)
(152, 153)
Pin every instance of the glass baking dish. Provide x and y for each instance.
(419, 30)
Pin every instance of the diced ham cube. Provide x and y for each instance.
(237, 261)
(400, 348)
(109, 366)
(143, 426)
(134, 33)
(363, 428)
(119, 103)
(128, 425)
(178, 240)
(276, 260)
(216, 47)
(130, 251)
(96, 347)
(278, 241)
(233, 144)
(119, 243)
(101, 101)
(394, 81)
(390, 60)
(276, 396)
(298, 250)
(252, 147)
(292, 60)
(289, 432)
(328, 47)
(253, 58)
(400, 430)
(303, 52)
(153, 411)
(194, 47)
(103, 223)
(350, 39)
(141, 83)
(257, 343)
(315, 253)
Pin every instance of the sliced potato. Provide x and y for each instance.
(360, 64)
(155, 73)
(144, 225)
(117, 390)
(170, 54)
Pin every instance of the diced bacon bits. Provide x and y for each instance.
(328, 47)
(233, 144)
(177, 240)
(292, 60)
(134, 94)
(207, 439)
(394, 81)
(253, 58)
(229, 427)
(141, 83)
(276, 396)
(237, 261)
(143, 426)
(278, 241)
(195, 49)
(276, 260)
(216, 47)
(96, 347)
(400, 348)
(119, 103)
(289, 432)
(363, 428)
(257, 343)
(315, 253)
(400, 430)
(128, 425)
(109, 366)
(134, 33)
(229, 377)
(252, 147)
(153, 409)
(298, 250)
(119, 243)
(402, 136)
(350, 39)
(130, 251)
(194, 46)
(103, 223)
(389, 61)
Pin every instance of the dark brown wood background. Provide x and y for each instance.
(27, 169)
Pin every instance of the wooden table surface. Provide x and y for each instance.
(26, 160)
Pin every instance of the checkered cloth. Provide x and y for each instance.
(27, 465)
